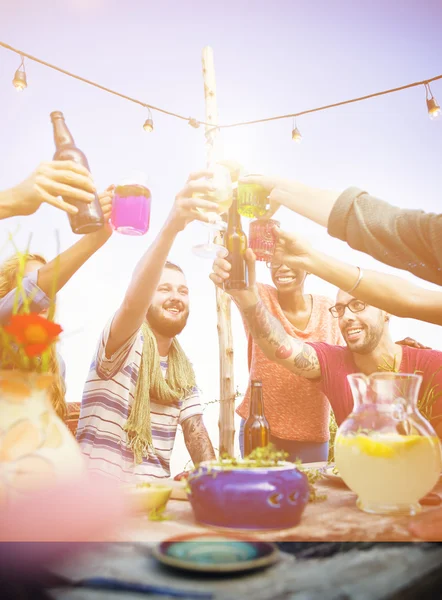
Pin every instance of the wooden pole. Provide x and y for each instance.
(226, 421)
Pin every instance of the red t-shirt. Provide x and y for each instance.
(337, 362)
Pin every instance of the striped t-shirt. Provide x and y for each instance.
(107, 398)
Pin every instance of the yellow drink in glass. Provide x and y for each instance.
(252, 200)
(389, 472)
(222, 195)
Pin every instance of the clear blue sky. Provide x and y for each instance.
(270, 58)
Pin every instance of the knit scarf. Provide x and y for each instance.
(179, 383)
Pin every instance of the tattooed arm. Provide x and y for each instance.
(266, 330)
(278, 345)
(197, 440)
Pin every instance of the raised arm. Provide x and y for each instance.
(402, 238)
(313, 203)
(38, 287)
(267, 330)
(132, 312)
(387, 292)
(64, 266)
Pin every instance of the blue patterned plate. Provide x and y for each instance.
(212, 553)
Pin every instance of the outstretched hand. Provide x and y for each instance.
(106, 199)
(49, 182)
(291, 250)
(280, 191)
(190, 203)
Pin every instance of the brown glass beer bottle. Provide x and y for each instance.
(256, 428)
(89, 217)
(236, 244)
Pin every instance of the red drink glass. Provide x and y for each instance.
(262, 238)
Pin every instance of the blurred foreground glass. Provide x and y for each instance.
(222, 195)
(262, 238)
(37, 450)
(131, 205)
(252, 200)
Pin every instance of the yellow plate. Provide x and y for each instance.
(178, 490)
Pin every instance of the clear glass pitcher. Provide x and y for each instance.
(385, 451)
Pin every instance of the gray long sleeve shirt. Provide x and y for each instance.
(39, 303)
(402, 238)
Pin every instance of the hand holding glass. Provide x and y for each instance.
(222, 195)
(262, 238)
(252, 200)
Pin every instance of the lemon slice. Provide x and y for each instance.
(383, 446)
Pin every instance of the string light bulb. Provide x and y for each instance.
(194, 123)
(296, 134)
(19, 81)
(432, 105)
(148, 123)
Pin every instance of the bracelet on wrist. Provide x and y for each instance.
(358, 281)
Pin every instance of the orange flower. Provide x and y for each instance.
(33, 332)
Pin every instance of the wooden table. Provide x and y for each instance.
(382, 572)
(335, 519)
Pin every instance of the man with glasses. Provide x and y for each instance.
(369, 346)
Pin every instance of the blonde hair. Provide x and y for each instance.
(9, 270)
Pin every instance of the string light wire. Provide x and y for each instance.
(195, 122)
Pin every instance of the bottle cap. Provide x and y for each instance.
(256, 383)
(57, 114)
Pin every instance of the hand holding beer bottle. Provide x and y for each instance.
(236, 246)
(89, 217)
(47, 184)
(227, 273)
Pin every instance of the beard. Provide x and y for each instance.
(168, 327)
(370, 340)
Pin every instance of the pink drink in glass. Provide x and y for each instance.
(262, 238)
(131, 209)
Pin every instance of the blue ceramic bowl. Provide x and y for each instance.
(248, 499)
(215, 553)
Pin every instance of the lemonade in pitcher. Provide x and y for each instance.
(385, 451)
(388, 470)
